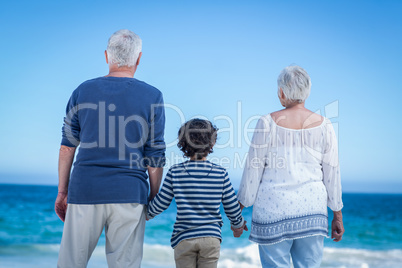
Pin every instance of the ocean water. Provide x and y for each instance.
(30, 233)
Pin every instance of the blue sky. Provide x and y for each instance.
(209, 58)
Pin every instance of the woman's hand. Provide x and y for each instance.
(337, 226)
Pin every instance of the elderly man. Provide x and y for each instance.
(118, 122)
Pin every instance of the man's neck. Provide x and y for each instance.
(123, 71)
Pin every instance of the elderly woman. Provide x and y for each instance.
(291, 176)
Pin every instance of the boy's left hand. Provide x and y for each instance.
(237, 232)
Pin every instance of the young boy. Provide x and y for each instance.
(199, 187)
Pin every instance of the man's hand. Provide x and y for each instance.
(337, 226)
(155, 178)
(237, 232)
(66, 157)
(60, 205)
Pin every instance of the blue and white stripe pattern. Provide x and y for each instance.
(199, 188)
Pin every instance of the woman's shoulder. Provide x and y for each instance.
(312, 119)
(297, 119)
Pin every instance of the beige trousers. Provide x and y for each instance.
(124, 230)
(201, 252)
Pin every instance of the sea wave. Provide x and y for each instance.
(162, 256)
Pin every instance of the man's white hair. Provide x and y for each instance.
(295, 83)
(123, 48)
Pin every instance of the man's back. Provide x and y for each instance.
(111, 118)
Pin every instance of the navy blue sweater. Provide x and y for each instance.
(118, 124)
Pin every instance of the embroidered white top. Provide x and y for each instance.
(290, 178)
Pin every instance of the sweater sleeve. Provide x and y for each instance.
(230, 204)
(71, 127)
(163, 199)
(255, 163)
(155, 145)
(331, 170)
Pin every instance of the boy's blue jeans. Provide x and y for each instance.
(305, 252)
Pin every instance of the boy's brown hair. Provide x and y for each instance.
(197, 138)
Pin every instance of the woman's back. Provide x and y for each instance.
(291, 183)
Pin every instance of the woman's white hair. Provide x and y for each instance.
(123, 48)
(295, 83)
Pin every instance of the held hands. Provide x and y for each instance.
(147, 217)
(60, 206)
(237, 232)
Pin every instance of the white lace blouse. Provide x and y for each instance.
(290, 178)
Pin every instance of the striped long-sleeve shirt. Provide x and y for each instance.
(199, 188)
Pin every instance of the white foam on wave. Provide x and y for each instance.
(158, 256)
(361, 258)
(247, 257)
(162, 256)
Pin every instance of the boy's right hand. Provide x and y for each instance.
(237, 232)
